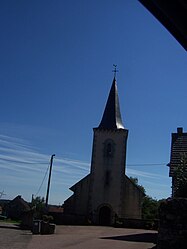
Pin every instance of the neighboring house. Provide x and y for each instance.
(17, 207)
(3, 205)
(107, 194)
(1, 210)
(178, 154)
(56, 212)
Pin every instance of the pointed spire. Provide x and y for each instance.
(112, 117)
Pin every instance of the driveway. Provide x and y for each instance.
(78, 237)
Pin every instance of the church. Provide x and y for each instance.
(106, 194)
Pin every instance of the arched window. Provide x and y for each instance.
(108, 148)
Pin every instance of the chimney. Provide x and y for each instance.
(179, 130)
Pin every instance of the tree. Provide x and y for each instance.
(38, 205)
(149, 205)
(150, 208)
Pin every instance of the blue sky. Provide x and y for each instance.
(55, 75)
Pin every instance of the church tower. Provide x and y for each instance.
(106, 193)
(108, 161)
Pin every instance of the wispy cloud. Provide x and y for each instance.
(18, 154)
(23, 168)
(15, 154)
(144, 174)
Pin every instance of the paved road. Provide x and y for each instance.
(78, 237)
(11, 237)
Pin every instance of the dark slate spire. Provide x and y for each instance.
(112, 117)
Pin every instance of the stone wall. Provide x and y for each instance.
(137, 223)
(172, 231)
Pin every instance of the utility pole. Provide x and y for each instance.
(49, 180)
(2, 193)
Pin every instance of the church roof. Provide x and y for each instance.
(79, 183)
(112, 116)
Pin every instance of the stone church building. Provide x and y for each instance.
(107, 193)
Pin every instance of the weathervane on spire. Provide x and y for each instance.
(115, 70)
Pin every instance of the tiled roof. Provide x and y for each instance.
(18, 200)
(55, 209)
(178, 149)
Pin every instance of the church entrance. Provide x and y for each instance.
(105, 216)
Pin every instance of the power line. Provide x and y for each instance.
(42, 180)
(136, 164)
(2, 193)
(147, 164)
